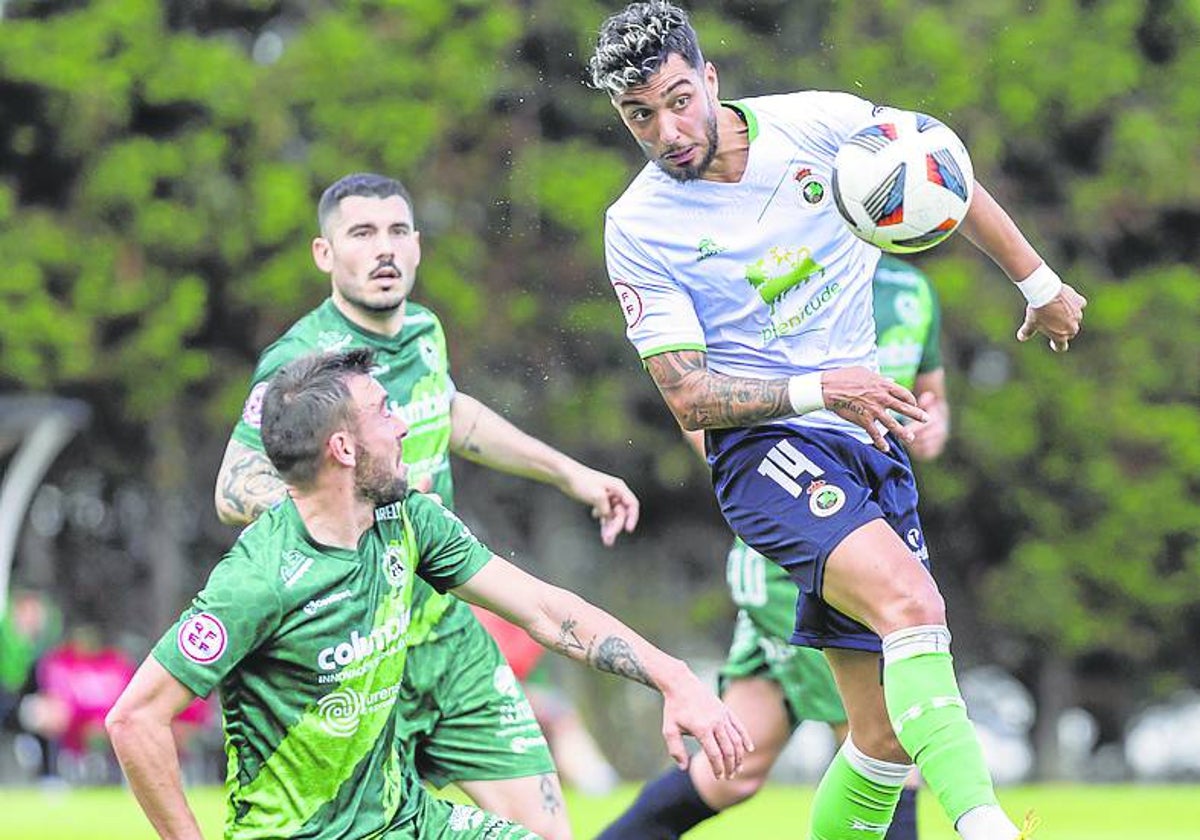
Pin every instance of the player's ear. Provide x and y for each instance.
(322, 254)
(343, 448)
(416, 235)
(711, 80)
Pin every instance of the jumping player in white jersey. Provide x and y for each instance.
(749, 301)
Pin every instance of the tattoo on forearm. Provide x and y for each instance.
(568, 639)
(616, 656)
(551, 803)
(714, 400)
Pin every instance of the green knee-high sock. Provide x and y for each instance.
(857, 796)
(930, 718)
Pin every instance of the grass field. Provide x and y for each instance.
(778, 813)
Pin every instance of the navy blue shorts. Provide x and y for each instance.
(795, 494)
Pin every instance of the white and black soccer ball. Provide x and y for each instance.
(903, 182)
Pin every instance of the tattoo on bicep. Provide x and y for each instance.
(712, 400)
(252, 486)
(616, 656)
(551, 801)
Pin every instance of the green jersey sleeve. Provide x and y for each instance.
(236, 611)
(449, 553)
(247, 431)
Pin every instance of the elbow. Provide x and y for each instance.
(689, 414)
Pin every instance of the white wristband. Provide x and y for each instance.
(805, 392)
(1041, 286)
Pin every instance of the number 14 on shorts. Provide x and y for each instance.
(784, 464)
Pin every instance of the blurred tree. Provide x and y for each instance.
(160, 162)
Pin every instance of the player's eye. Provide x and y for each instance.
(682, 102)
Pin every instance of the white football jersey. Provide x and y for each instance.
(763, 275)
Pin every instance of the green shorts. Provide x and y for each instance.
(463, 714)
(437, 819)
(801, 672)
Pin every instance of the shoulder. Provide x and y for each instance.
(648, 189)
(299, 339)
(420, 318)
(809, 108)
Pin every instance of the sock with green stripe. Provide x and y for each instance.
(856, 797)
(930, 719)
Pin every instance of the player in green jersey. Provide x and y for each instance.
(468, 722)
(303, 627)
(770, 683)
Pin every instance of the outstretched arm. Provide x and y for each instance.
(247, 484)
(563, 622)
(701, 399)
(481, 435)
(1054, 309)
(139, 726)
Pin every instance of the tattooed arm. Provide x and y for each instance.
(247, 485)
(565, 623)
(701, 399)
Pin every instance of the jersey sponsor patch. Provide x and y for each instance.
(630, 300)
(252, 410)
(202, 638)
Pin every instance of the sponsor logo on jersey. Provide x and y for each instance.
(505, 682)
(202, 638)
(430, 353)
(393, 564)
(810, 187)
(465, 818)
(708, 247)
(384, 639)
(342, 709)
(794, 323)
(316, 604)
(908, 308)
(630, 300)
(422, 409)
(525, 743)
(825, 499)
(781, 271)
(293, 566)
(252, 409)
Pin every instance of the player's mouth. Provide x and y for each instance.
(680, 157)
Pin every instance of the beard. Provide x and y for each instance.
(692, 172)
(379, 482)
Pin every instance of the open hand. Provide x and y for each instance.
(696, 711)
(867, 400)
(611, 501)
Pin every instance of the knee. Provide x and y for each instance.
(740, 788)
(913, 607)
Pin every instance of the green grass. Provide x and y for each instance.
(778, 813)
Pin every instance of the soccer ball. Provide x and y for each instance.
(903, 182)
